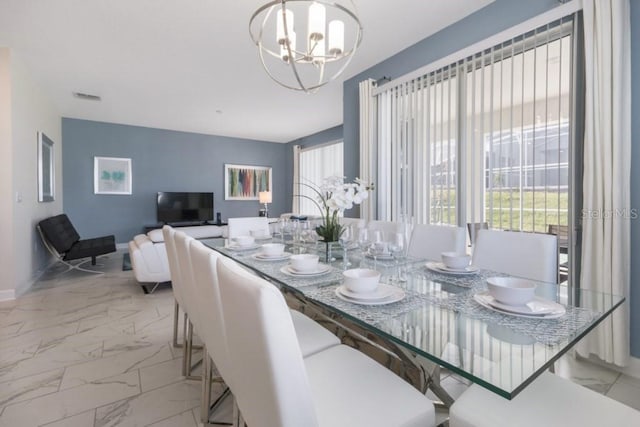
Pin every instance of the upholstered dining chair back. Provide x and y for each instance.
(190, 291)
(388, 228)
(429, 241)
(176, 282)
(209, 306)
(270, 382)
(244, 226)
(529, 255)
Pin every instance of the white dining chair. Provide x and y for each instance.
(190, 296)
(527, 255)
(353, 222)
(244, 226)
(388, 228)
(429, 241)
(275, 386)
(210, 324)
(168, 233)
(208, 321)
(548, 401)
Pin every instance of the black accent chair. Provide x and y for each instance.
(63, 241)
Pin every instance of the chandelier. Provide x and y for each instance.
(305, 63)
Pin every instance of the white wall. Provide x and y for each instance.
(6, 180)
(31, 112)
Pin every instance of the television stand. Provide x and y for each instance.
(149, 227)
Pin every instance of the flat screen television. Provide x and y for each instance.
(174, 207)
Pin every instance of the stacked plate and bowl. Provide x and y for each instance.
(362, 286)
(516, 297)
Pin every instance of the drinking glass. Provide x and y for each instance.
(375, 244)
(281, 227)
(304, 231)
(397, 246)
(346, 238)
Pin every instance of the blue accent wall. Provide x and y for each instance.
(495, 17)
(162, 160)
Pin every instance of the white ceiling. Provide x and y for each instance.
(190, 65)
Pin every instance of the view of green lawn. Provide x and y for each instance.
(503, 210)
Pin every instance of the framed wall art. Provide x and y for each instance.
(242, 182)
(46, 169)
(111, 175)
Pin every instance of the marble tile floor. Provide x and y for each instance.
(94, 350)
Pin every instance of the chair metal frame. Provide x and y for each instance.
(60, 258)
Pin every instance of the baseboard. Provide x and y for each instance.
(7, 295)
(633, 370)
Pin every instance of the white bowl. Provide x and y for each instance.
(304, 262)
(273, 249)
(511, 290)
(455, 260)
(244, 240)
(261, 233)
(361, 280)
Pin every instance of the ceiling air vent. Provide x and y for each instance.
(86, 96)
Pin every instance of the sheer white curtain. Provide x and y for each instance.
(295, 204)
(607, 149)
(368, 106)
(314, 165)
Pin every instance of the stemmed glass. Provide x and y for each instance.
(281, 227)
(376, 245)
(346, 238)
(304, 231)
(396, 247)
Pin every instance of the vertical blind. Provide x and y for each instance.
(483, 139)
(315, 164)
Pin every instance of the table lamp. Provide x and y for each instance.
(265, 197)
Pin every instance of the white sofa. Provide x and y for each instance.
(149, 255)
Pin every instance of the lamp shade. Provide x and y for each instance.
(264, 196)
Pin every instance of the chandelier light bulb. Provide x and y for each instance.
(280, 33)
(284, 52)
(336, 37)
(317, 20)
(318, 53)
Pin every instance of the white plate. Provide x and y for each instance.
(262, 257)
(322, 269)
(233, 247)
(539, 308)
(379, 257)
(439, 267)
(397, 294)
(382, 291)
(266, 237)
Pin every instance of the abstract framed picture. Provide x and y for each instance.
(46, 169)
(243, 182)
(111, 175)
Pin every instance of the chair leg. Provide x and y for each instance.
(188, 352)
(185, 321)
(176, 321)
(206, 387)
(77, 267)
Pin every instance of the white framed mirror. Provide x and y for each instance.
(46, 169)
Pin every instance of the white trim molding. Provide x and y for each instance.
(7, 295)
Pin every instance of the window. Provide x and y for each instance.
(315, 164)
(484, 139)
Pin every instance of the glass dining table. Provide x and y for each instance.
(439, 321)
